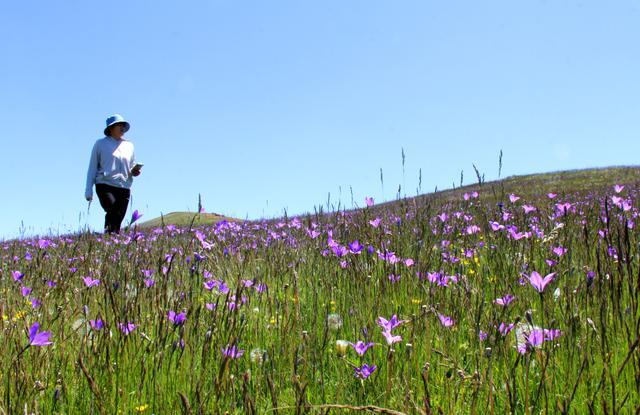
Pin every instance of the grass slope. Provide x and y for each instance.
(570, 181)
(428, 306)
(186, 219)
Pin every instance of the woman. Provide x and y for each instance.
(112, 168)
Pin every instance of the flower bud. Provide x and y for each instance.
(341, 347)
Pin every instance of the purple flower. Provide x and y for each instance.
(90, 282)
(210, 306)
(149, 282)
(38, 338)
(35, 303)
(313, 234)
(135, 216)
(504, 329)
(482, 335)
(375, 223)
(96, 324)
(147, 272)
(394, 278)
(361, 347)
(365, 371)
(472, 229)
(390, 324)
(618, 188)
(339, 250)
(559, 250)
(17, 276)
(223, 288)
(562, 208)
(44, 243)
(25, 291)
(513, 198)
(528, 209)
(355, 247)
(177, 319)
(391, 339)
(232, 351)
(446, 321)
(369, 201)
(551, 334)
(505, 301)
(126, 328)
(535, 337)
(551, 195)
(540, 283)
(219, 285)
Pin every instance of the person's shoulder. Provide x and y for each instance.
(99, 141)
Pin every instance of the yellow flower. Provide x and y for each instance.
(272, 321)
(141, 408)
(415, 301)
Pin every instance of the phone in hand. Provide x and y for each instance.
(137, 167)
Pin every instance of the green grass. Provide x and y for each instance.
(185, 219)
(594, 366)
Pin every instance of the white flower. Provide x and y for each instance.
(258, 356)
(341, 347)
(334, 321)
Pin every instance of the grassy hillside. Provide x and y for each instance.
(186, 219)
(562, 182)
(440, 304)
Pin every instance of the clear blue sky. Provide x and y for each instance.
(262, 106)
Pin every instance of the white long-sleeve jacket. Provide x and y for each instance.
(111, 163)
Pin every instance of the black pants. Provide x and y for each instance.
(114, 201)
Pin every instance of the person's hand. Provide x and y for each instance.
(89, 198)
(135, 172)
